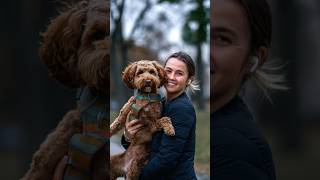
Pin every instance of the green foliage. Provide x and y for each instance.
(199, 18)
(195, 26)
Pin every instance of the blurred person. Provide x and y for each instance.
(172, 157)
(241, 38)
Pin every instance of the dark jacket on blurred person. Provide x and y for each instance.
(238, 149)
(172, 158)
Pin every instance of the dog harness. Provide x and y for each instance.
(142, 100)
(94, 137)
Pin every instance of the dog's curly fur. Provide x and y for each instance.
(147, 77)
(75, 49)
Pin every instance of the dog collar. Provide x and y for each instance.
(94, 114)
(83, 147)
(151, 97)
(142, 100)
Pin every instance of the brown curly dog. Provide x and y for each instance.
(75, 49)
(146, 77)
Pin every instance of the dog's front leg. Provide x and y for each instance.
(117, 166)
(136, 168)
(119, 122)
(166, 124)
(54, 147)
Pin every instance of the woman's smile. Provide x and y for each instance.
(171, 83)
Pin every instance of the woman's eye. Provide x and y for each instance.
(139, 72)
(221, 40)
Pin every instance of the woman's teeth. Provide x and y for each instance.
(171, 83)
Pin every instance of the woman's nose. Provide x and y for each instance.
(171, 76)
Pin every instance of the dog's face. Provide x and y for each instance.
(76, 45)
(144, 75)
(94, 53)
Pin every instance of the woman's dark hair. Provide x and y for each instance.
(185, 58)
(260, 19)
(268, 76)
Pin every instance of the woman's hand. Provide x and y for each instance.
(132, 128)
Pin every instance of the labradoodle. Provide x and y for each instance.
(75, 49)
(146, 77)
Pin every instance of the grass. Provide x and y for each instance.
(202, 156)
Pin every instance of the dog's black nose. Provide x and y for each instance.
(148, 82)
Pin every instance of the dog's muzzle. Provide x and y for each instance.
(148, 85)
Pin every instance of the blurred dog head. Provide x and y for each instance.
(76, 45)
(144, 75)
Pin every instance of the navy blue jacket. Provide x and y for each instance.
(172, 158)
(238, 149)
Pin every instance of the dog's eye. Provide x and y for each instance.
(99, 35)
(152, 72)
(139, 72)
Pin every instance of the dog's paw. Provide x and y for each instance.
(169, 130)
(166, 124)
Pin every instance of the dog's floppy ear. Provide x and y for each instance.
(60, 44)
(161, 72)
(128, 75)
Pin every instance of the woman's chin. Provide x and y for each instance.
(170, 89)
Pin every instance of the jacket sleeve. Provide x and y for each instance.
(171, 148)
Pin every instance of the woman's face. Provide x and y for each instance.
(230, 38)
(177, 73)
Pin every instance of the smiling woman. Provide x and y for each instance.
(240, 37)
(231, 42)
(172, 157)
(180, 70)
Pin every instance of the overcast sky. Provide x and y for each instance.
(176, 14)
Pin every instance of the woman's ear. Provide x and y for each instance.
(262, 53)
(128, 75)
(161, 72)
(258, 59)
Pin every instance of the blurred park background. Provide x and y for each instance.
(292, 122)
(31, 104)
(152, 30)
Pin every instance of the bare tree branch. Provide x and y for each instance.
(140, 17)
